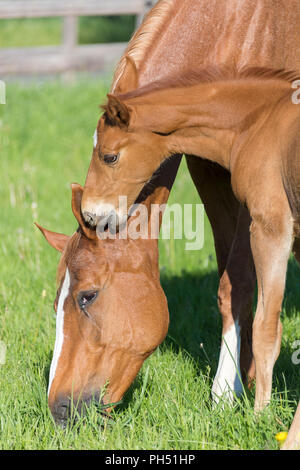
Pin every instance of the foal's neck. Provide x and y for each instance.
(207, 119)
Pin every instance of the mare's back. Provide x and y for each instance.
(241, 32)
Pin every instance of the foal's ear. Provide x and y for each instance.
(128, 80)
(117, 112)
(77, 191)
(57, 240)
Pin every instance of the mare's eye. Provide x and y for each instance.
(110, 159)
(86, 298)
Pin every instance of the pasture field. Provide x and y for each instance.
(46, 135)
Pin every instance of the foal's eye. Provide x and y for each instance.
(110, 159)
(86, 298)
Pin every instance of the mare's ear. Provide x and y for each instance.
(128, 80)
(117, 112)
(77, 191)
(57, 240)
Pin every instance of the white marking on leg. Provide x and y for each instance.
(95, 138)
(227, 380)
(59, 328)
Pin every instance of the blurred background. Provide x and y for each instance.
(53, 36)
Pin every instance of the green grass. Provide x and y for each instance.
(46, 141)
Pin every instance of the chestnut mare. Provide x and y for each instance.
(260, 34)
(217, 32)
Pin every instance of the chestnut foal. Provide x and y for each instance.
(247, 123)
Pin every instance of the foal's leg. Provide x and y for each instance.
(271, 242)
(230, 225)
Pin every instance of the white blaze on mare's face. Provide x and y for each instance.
(95, 138)
(59, 327)
(227, 379)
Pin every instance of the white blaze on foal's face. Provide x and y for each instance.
(59, 327)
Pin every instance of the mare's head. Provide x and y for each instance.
(111, 315)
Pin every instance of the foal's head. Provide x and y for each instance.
(111, 315)
(125, 156)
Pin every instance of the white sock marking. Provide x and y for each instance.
(227, 379)
(59, 328)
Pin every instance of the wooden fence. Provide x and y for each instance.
(69, 56)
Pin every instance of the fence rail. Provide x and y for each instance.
(43, 8)
(69, 56)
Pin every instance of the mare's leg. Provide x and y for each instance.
(222, 208)
(271, 243)
(230, 224)
(235, 299)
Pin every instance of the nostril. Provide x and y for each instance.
(64, 411)
(61, 411)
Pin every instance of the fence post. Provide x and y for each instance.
(70, 32)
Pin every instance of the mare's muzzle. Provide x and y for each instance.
(66, 410)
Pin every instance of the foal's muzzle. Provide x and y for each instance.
(91, 219)
(102, 222)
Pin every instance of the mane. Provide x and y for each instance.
(147, 34)
(212, 74)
